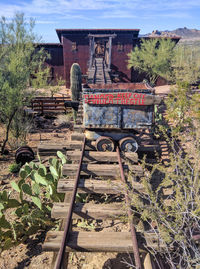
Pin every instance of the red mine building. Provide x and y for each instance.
(84, 45)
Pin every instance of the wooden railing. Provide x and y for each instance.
(49, 104)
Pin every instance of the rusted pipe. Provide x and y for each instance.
(69, 215)
(133, 232)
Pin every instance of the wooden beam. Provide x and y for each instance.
(105, 157)
(90, 241)
(96, 186)
(102, 35)
(88, 211)
(47, 148)
(99, 170)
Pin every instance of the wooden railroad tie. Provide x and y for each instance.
(99, 175)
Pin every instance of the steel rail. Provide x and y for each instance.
(69, 215)
(133, 232)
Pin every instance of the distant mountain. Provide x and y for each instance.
(184, 33)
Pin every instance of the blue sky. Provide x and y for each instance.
(146, 15)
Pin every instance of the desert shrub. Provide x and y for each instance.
(21, 65)
(154, 57)
(178, 106)
(186, 63)
(171, 208)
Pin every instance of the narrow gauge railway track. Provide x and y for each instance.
(66, 233)
(96, 173)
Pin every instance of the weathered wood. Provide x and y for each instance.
(45, 149)
(75, 136)
(78, 128)
(106, 170)
(90, 241)
(91, 156)
(96, 186)
(88, 211)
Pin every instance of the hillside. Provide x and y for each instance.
(185, 34)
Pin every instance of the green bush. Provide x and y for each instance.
(15, 167)
(170, 203)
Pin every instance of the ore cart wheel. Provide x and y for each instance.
(128, 144)
(24, 154)
(105, 143)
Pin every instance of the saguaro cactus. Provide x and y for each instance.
(75, 84)
(75, 81)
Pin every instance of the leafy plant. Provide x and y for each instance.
(170, 208)
(36, 191)
(21, 66)
(154, 57)
(178, 106)
(15, 167)
(186, 63)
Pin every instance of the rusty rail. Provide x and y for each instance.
(59, 261)
(69, 216)
(133, 232)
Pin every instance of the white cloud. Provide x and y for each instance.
(106, 8)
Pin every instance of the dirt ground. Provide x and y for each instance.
(29, 254)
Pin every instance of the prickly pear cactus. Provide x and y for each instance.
(75, 81)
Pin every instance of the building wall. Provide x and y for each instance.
(55, 63)
(121, 46)
(75, 50)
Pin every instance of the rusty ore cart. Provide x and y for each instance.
(117, 112)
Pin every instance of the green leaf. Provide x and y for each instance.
(26, 209)
(27, 169)
(53, 172)
(36, 188)
(27, 189)
(37, 202)
(4, 196)
(20, 183)
(15, 186)
(18, 212)
(54, 162)
(7, 244)
(32, 175)
(42, 168)
(40, 180)
(13, 203)
(36, 214)
(4, 223)
(1, 206)
(23, 174)
(50, 190)
(49, 177)
(61, 156)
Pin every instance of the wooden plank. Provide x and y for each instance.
(106, 170)
(46, 148)
(90, 241)
(96, 186)
(94, 156)
(88, 211)
(75, 136)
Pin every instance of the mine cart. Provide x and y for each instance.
(116, 112)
